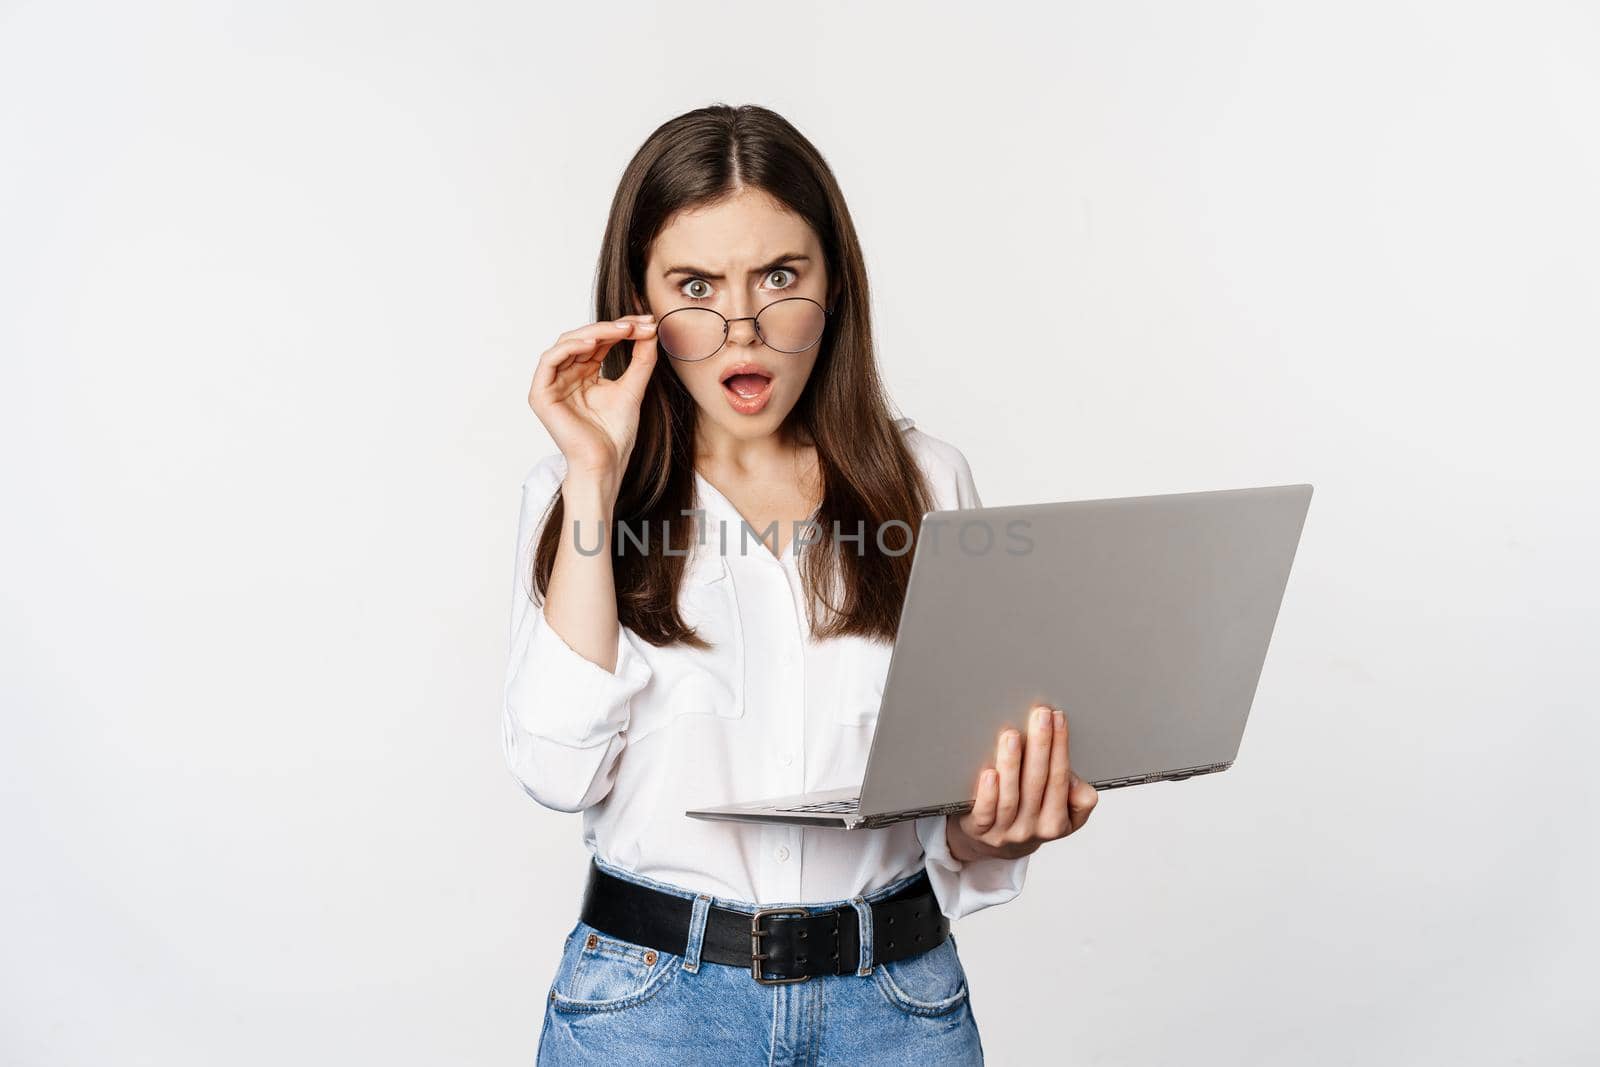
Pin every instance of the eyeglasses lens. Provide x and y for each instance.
(790, 325)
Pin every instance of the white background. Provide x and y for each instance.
(273, 279)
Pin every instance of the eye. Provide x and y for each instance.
(783, 272)
(684, 289)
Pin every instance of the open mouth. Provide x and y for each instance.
(747, 387)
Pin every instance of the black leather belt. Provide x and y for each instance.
(776, 944)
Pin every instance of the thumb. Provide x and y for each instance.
(641, 363)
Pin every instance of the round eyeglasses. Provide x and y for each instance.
(791, 325)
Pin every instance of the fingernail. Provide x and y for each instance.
(1061, 718)
(1011, 741)
(1041, 716)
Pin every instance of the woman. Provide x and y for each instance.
(682, 637)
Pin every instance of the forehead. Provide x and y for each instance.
(746, 231)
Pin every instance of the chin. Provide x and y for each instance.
(746, 426)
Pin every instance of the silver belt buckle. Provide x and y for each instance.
(756, 934)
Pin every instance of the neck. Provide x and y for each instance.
(717, 449)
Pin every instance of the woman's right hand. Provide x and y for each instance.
(593, 420)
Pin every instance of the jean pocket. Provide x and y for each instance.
(931, 983)
(603, 973)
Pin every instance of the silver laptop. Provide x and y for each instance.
(1146, 619)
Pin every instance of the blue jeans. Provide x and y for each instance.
(616, 1002)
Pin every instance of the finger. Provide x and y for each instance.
(619, 330)
(1036, 764)
(576, 350)
(1053, 821)
(1081, 802)
(1008, 761)
(640, 362)
(558, 358)
(606, 329)
(980, 820)
(566, 376)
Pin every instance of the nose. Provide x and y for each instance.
(742, 331)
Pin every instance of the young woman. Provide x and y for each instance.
(704, 614)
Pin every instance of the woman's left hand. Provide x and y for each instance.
(1028, 797)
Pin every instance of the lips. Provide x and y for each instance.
(748, 387)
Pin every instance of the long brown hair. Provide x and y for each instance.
(869, 475)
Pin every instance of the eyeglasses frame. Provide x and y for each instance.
(753, 320)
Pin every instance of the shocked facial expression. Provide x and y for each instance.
(738, 258)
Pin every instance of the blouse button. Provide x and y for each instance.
(786, 759)
(783, 852)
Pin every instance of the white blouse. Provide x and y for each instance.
(766, 711)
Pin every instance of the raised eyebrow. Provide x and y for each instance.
(699, 273)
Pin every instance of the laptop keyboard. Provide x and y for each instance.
(828, 806)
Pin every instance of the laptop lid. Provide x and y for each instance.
(1146, 619)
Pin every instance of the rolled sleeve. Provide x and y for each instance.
(964, 887)
(565, 717)
(560, 696)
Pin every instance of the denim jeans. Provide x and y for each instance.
(615, 1002)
